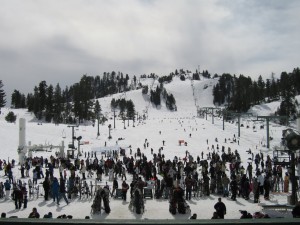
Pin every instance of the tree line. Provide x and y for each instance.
(75, 103)
(240, 93)
(78, 102)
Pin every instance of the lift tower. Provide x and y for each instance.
(291, 140)
(207, 109)
(267, 118)
(226, 112)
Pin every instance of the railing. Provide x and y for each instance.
(280, 221)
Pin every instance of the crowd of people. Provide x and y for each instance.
(218, 172)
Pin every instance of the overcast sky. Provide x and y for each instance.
(60, 40)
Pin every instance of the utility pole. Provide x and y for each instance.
(267, 118)
(114, 118)
(73, 126)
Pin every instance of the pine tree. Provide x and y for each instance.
(16, 99)
(156, 96)
(288, 106)
(268, 90)
(2, 96)
(261, 89)
(49, 104)
(58, 105)
(42, 95)
(130, 109)
(97, 110)
(36, 104)
(30, 102)
(170, 102)
(11, 117)
(296, 79)
(255, 93)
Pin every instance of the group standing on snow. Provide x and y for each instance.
(176, 180)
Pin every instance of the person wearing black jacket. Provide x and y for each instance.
(115, 186)
(296, 210)
(62, 190)
(34, 213)
(18, 197)
(267, 187)
(234, 188)
(220, 208)
(46, 186)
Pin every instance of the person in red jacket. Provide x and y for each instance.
(125, 188)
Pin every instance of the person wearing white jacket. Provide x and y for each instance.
(261, 180)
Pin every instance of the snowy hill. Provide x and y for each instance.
(161, 128)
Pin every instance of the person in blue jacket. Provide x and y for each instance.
(55, 190)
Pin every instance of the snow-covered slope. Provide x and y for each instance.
(160, 125)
